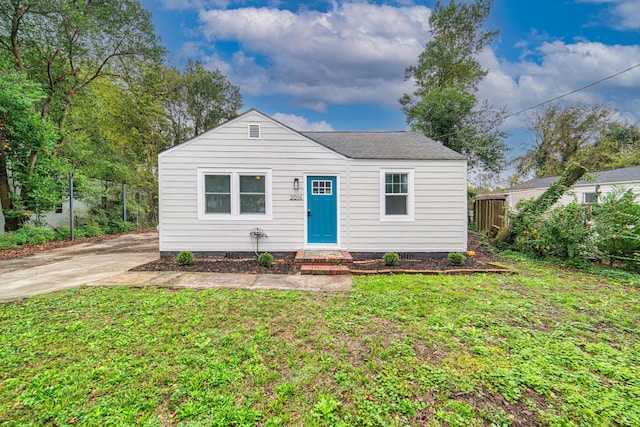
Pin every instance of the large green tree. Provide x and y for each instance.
(444, 105)
(199, 99)
(22, 131)
(618, 146)
(66, 46)
(563, 134)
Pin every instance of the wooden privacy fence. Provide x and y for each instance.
(490, 211)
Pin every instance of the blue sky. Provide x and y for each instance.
(321, 65)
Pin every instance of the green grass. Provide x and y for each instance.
(545, 347)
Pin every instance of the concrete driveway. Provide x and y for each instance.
(106, 263)
(64, 268)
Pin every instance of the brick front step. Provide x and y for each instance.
(325, 269)
(323, 258)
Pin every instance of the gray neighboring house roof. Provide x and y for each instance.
(394, 145)
(611, 176)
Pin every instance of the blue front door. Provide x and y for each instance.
(322, 212)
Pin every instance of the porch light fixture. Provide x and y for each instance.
(296, 183)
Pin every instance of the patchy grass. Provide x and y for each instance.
(545, 347)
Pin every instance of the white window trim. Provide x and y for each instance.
(235, 214)
(410, 197)
(249, 131)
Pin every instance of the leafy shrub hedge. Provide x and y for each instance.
(27, 235)
(611, 231)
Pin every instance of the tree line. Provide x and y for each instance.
(85, 89)
(445, 107)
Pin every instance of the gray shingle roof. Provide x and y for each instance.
(398, 145)
(611, 176)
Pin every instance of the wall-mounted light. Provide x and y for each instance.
(296, 183)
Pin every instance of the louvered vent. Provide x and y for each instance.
(254, 131)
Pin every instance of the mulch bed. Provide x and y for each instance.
(223, 265)
(482, 261)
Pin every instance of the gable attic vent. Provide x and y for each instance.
(254, 131)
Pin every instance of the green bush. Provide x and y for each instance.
(265, 259)
(564, 234)
(617, 226)
(92, 230)
(391, 258)
(8, 241)
(456, 258)
(29, 235)
(561, 234)
(119, 226)
(184, 258)
(63, 233)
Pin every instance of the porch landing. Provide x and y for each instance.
(324, 262)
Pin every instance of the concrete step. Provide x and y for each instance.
(323, 257)
(325, 269)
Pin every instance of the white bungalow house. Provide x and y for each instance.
(584, 191)
(253, 184)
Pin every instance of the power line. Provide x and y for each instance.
(572, 92)
(555, 98)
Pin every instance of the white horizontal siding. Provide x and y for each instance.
(440, 195)
(576, 193)
(288, 155)
(440, 221)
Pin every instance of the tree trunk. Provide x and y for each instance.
(10, 223)
(549, 198)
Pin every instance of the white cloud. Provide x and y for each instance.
(625, 13)
(356, 52)
(562, 68)
(193, 4)
(301, 123)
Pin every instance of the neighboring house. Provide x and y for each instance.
(584, 191)
(59, 216)
(367, 192)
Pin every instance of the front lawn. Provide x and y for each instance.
(545, 347)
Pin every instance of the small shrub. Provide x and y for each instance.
(184, 258)
(119, 226)
(456, 258)
(391, 258)
(63, 233)
(30, 235)
(92, 230)
(8, 241)
(265, 259)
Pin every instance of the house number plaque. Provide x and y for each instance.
(296, 197)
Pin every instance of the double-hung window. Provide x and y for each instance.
(234, 194)
(396, 195)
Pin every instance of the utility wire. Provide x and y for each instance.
(555, 98)
(572, 92)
